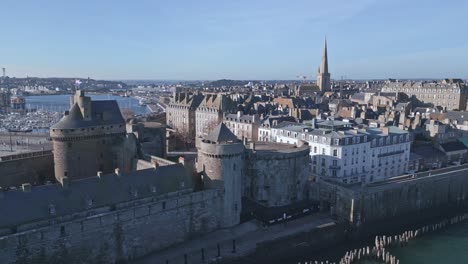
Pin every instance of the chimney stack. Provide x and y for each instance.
(385, 130)
(155, 163)
(182, 160)
(65, 182)
(252, 146)
(26, 187)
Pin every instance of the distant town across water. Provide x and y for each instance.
(61, 102)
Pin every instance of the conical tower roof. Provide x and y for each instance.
(74, 119)
(75, 113)
(221, 134)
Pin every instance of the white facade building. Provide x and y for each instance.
(351, 155)
(270, 124)
(243, 126)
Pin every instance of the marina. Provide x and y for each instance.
(61, 103)
(44, 111)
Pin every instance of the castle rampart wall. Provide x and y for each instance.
(33, 167)
(110, 234)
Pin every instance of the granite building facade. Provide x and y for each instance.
(450, 94)
(180, 113)
(211, 111)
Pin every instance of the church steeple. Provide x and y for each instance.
(323, 76)
(324, 65)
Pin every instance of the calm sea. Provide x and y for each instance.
(445, 246)
(61, 103)
(449, 246)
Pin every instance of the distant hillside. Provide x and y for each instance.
(225, 82)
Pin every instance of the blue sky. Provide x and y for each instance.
(243, 39)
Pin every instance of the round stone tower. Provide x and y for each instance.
(74, 149)
(91, 137)
(220, 159)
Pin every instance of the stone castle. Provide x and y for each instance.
(91, 137)
(112, 205)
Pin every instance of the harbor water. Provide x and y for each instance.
(445, 244)
(61, 103)
(448, 245)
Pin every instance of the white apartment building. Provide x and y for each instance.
(270, 123)
(243, 126)
(351, 155)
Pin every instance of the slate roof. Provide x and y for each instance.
(358, 96)
(24, 207)
(221, 134)
(104, 112)
(460, 116)
(73, 119)
(269, 120)
(219, 102)
(427, 152)
(453, 146)
(186, 99)
(307, 88)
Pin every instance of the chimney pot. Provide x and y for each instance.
(65, 182)
(26, 187)
(155, 163)
(252, 145)
(182, 160)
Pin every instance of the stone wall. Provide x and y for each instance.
(118, 233)
(277, 178)
(33, 167)
(403, 196)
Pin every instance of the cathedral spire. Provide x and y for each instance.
(323, 76)
(324, 65)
